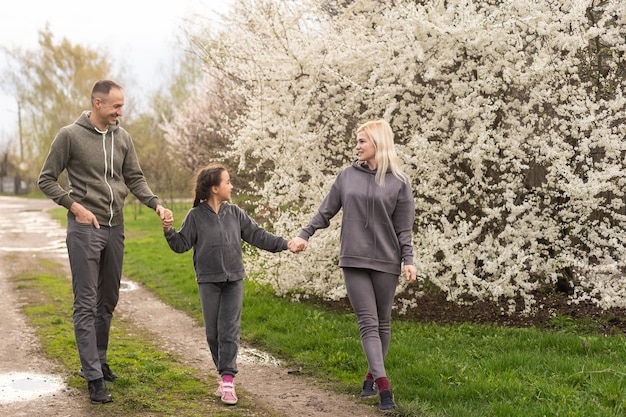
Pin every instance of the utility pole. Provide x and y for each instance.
(19, 122)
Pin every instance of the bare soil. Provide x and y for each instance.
(555, 304)
(23, 235)
(27, 231)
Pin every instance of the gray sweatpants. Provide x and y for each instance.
(371, 294)
(96, 257)
(221, 309)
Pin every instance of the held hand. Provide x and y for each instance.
(167, 223)
(83, 215)
(163, 212)
(298, 244)
(411, 273)
(167, 217)
(293, 247)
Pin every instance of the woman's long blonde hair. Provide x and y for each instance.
(387, 159)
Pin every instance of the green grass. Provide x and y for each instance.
(461, 370)
(151, 382)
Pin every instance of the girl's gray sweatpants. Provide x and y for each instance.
(371, 294)
(96, 257)
(221, 309)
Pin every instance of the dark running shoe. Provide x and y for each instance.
(98, 392)
(107, 373)
(369, 389)
(386, 401)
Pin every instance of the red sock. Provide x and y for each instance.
(369, 377)
(227, 378)
(383, 384)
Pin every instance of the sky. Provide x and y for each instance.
(142, 34)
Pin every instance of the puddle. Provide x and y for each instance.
(255, 356)
(127, 285)
(55, 247)
(29, 226)
(27, 386)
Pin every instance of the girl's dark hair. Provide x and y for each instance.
(206, 178)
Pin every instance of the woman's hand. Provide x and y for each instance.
(411, 273)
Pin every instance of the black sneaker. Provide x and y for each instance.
(386, 401)
(369, 389)
(98, 392)
(107, 373)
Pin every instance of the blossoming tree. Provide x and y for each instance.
(509, 116)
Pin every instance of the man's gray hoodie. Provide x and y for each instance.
(101, 168)
(377, 222)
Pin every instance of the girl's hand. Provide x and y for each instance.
(167, 222)
(297, 244)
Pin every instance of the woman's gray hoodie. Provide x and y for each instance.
(377, 222)
(101, 168)
(216, 241)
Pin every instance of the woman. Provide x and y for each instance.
(376, 239)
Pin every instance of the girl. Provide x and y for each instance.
(214, 229)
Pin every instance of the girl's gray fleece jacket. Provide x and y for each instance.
(377, 222)
(216, 241)
(101, 168)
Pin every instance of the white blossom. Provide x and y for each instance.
(509, 117)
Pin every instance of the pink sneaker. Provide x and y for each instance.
(218, 391)
(228, 393)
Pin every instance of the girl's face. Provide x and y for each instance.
(365, 149)
(223, 190)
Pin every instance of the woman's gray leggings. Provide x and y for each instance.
(371, 294)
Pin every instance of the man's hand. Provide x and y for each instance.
(83, 215)
(164, 214)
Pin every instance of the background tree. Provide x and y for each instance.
(52, 84)
(203, 128)
(160, 159)
(509, 116)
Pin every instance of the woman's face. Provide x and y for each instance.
(365, 149)
(223, 190)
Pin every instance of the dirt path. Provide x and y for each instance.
(270, 384)
(22, 233)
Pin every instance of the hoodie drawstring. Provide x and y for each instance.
(112, 148)
(106, 168)
(104, 137)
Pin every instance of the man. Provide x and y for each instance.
(101, 164)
